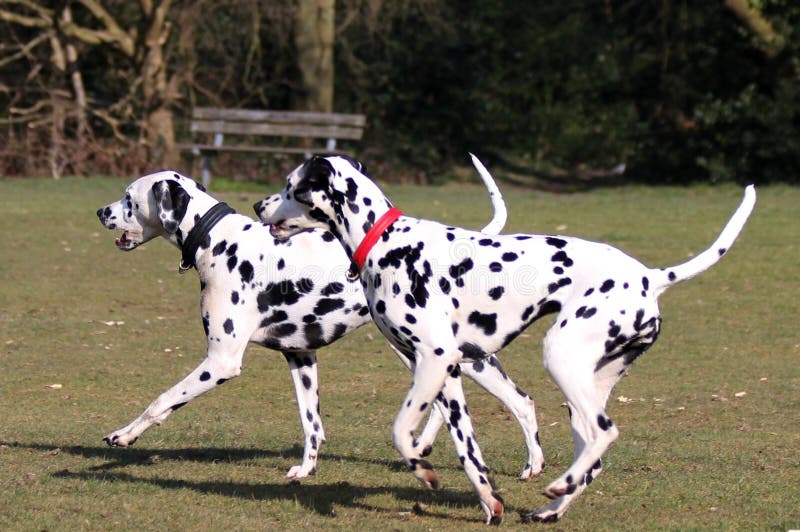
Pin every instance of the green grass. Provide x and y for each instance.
(691, 455)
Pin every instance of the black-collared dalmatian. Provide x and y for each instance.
(290, 296)
(605, 301)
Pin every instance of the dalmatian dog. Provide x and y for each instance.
(291, 296)
(438, 308)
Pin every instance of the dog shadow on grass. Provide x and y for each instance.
(129, 456)
(319, 498)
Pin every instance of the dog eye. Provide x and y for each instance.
(303, 196)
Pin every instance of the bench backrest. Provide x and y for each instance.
(277, 123)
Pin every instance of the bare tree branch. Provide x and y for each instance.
(147, 7)
(24, 20)
(25, 49)
(111, 33)
(43, 12)
(758, 24)
(120, 36)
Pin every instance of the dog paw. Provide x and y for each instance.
(530, 472)
(424, 472)
(300, 472)
(115, 440)
(539, 516)
(494, 509)
(560, 487)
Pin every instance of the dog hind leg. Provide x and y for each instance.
(459, 423)
(571, 365)
(489, 375)
(303, 367)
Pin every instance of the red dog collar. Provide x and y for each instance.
(372, 236)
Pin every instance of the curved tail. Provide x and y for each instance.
(498, 221)
(709, 257)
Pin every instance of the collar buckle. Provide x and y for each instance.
(353, 272)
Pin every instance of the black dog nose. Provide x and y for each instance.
(100, 213)
(257, 207)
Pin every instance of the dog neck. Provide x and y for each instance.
(199, 206)
(356, 214)
(199, 234)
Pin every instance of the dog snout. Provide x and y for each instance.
(258, 207)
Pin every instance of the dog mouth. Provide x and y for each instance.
(284, 231)
(279, 231)
(125, 241)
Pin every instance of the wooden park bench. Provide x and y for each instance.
(292, 132)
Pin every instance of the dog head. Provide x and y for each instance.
(321, 193)
(153, 205)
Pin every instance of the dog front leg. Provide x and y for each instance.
(428, 434)
(303, 366)
(430, 372)
(436, 417)
(218, 367)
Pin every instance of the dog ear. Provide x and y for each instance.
(171, 203)
(317, 173)
(358, 165)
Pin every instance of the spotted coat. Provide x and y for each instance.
(278, 294)
(472, 294)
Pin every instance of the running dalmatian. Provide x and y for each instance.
(289, 296)
(437, 310)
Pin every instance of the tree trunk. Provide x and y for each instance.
(56, 152)
(77, 82)
(314, 36)
(158, 124)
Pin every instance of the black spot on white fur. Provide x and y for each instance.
(486, 322)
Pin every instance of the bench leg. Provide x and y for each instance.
(205, 173)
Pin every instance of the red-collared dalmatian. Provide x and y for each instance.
(437, 308)
(290, 296)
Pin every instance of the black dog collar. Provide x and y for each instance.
(199, 232)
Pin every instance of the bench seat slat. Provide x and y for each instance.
(222, 124)
(276, 130)
(257, 149)
(291, 117)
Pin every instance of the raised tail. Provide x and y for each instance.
(498, 221)
(709, 257)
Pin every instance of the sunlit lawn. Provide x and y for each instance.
(709, 418)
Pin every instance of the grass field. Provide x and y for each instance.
(709, 418)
